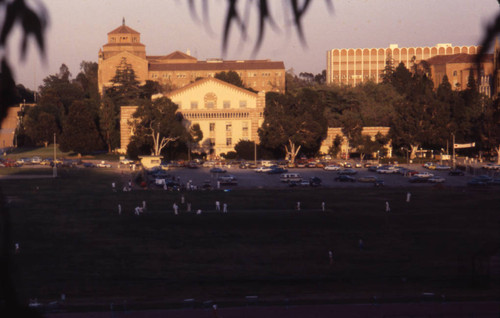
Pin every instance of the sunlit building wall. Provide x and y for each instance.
(355, 66)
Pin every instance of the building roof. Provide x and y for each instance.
(123, 29)
(209, 79)
(458, 58)
(124, 44)
(217, 66)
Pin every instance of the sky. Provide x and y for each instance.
(77, 29)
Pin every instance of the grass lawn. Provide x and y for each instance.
(48, 152)
(74, 242)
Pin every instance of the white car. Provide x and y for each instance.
(387, 169)
(332, 168)
(436, 180)
(263, 169)
(103, 164)
(424, 175)
(126, 162)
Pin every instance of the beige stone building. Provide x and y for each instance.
(457, 68)
(178, 69)
(226, 114)
(354, 66)
(9, 126)
(333, 132)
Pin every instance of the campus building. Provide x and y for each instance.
(179, 69)
(345, 148)
(355, 66)
(458, 67)
(225, 113)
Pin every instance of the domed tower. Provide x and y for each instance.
(123, 42)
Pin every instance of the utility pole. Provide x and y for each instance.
(453, 145)
(54, 169)
(255, 153)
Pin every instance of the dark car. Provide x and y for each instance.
(344, 178)
(314, 182)
(217, 170)
(416, 179)
(347, 171)
(277, 170)
(456, 172)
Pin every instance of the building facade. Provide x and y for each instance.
(345, 148)
(179, 69)
(225, 113)
(458, 67)
(355, 66)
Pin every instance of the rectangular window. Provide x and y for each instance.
(212, 126)
(227, 104)
(229, 141)
(228, 126)
(212, 142)
(243, 104)
(194, 105)
(209, 105)
(245, 128)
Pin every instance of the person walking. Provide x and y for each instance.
(298, 205)
(387, 207)
(224, 208)
(217, 206)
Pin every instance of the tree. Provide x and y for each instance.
(80, 133)
(194, 137)
(245, 149)
(334, 149)
(149, 89)
(59, 93)
(158, 124)
(490, 129)
(87, 79)
(388, 71)
(40, 126)
(293, 122)
(230, 77)
(125, 89)
(109, 123)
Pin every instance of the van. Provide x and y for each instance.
(287, 177)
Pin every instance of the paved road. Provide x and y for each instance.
(394, 310)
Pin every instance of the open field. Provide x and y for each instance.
(73, 242)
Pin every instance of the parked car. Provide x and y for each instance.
(126, 161)
(369, 179)
(36, 160)
(332, 167)
(315, 181)
(416, 179)
(442, 167)
(89, 165)
(290, 177)
(437, 179)
(277, 170)
(103, 164)
(344, 178)
(456, 172)
(217, 170)
(263, 169)
(227, 179)
(387, 169)
(424, 175)
(347, 171)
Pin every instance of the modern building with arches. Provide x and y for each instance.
(355, 66)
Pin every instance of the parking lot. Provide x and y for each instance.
(247, 178)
